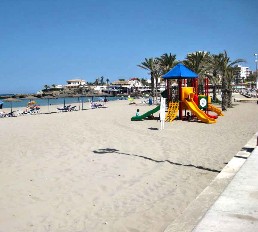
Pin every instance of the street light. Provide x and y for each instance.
(256, 61)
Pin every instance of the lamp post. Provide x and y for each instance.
(256, 60)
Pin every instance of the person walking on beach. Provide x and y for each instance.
(105, 101)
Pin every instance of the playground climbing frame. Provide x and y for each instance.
(173, 108)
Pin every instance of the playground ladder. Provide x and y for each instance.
(172, 111)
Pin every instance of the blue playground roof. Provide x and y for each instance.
(180, 72)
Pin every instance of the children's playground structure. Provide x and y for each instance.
(184, 100)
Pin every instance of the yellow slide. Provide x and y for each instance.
(196, 111)
(215, 109)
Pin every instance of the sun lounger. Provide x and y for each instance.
(2, 114)
(96, 105)
(34, 111)
(31, 110)
(66, 109)
(7, 115)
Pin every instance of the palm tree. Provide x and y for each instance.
(225, 68)
(46, 87)
(107, 81)
(157, 75)
(96, 81)
(167, 62)
(101, 80)
(197, 62)
(151, 65)
(232, 73)
(213, 74)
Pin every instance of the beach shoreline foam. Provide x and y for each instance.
(95, 170)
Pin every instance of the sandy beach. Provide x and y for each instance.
(95, 170)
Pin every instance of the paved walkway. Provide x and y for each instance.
(237, 207)
(230, 202)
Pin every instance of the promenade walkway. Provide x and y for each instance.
(230, 202)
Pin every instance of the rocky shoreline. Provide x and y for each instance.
(66, 95)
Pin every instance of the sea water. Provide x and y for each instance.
(57, 101)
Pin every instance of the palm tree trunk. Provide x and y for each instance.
(152, 84)
(200, 89)
(229, 96)
(214, 91)
(156, 87)
(223, 94)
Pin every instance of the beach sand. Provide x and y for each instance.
(95, 170)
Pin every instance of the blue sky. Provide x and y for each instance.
(51, 41)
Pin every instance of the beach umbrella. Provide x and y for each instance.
(79, 96)
(48, 98)
(11, 100)
(180, 71)
(63, 96)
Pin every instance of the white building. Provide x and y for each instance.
(100, 88)
(58, 87)
(135, 83)
(75, 83)
(244, 71)
(159, 81)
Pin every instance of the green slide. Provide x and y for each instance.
(147, 114)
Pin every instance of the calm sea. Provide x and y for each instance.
(57, 101)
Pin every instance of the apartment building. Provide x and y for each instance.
(244, 71)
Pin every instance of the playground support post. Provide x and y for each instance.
(194, 84)
(206, 86)
(206, 92)
(180, 98)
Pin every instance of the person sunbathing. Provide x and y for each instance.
(96, 105)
